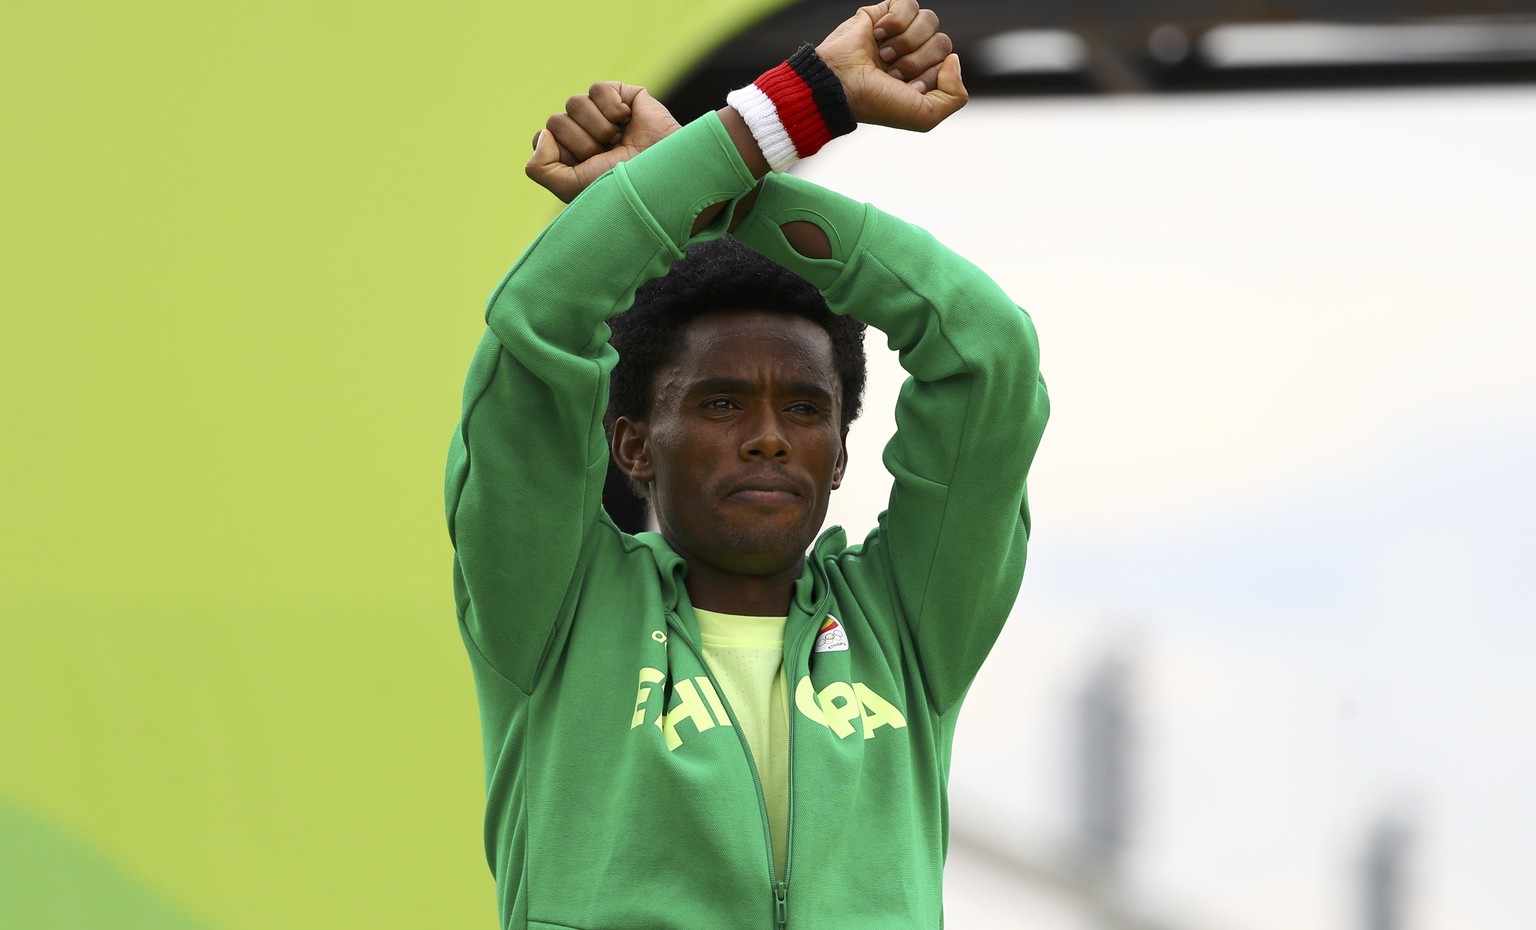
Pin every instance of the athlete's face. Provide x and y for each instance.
(744, 444)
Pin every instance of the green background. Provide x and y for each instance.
(245, 254)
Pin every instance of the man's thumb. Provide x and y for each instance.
(950, 84)
(546, 154)
(545, 168)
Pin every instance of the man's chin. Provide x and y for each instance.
(759, 553)
(741, 542)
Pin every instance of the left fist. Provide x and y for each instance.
(897, 69)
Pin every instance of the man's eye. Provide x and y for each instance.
(807, 408)
(717, 403)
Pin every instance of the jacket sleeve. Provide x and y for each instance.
(526, 465)
(969, 419)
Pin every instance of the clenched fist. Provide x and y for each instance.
(897, 69)
(610, 123)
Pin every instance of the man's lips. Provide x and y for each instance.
(764, 496)
(766, 489)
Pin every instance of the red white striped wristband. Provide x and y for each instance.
(794, 109)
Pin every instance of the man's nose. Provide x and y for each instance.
(765, 439)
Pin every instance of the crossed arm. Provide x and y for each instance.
(896, 69)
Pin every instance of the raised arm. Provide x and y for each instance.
(527, 463)
(951, 544)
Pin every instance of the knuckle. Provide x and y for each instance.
(614, 108)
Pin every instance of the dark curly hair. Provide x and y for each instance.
(719, 275)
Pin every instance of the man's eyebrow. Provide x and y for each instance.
(809, 389)
(721, 386)
(742, 386)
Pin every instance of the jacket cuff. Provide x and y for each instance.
(788, 199)
(675, 179)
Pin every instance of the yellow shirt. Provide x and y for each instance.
(746, 656)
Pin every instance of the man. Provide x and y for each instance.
(706, 727)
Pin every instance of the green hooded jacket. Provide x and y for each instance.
(619, 794)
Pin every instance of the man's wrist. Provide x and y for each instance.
(794, 109)
(746, 145)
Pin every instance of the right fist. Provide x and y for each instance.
(610, 123)
(897, 69)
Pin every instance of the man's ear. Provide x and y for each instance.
(842, 461)
(631, 449)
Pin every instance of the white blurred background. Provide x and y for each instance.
(1285, 491)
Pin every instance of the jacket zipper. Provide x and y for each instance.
(780, 888)
(792, 663)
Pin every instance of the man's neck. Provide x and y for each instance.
(724, 592)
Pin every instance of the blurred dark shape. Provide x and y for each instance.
(1123, 46)
(1385, 880)
(1104, 766)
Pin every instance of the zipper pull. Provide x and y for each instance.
(780, 904)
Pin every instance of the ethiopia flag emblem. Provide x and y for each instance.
(831, 638)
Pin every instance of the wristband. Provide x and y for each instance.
(794, 109)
